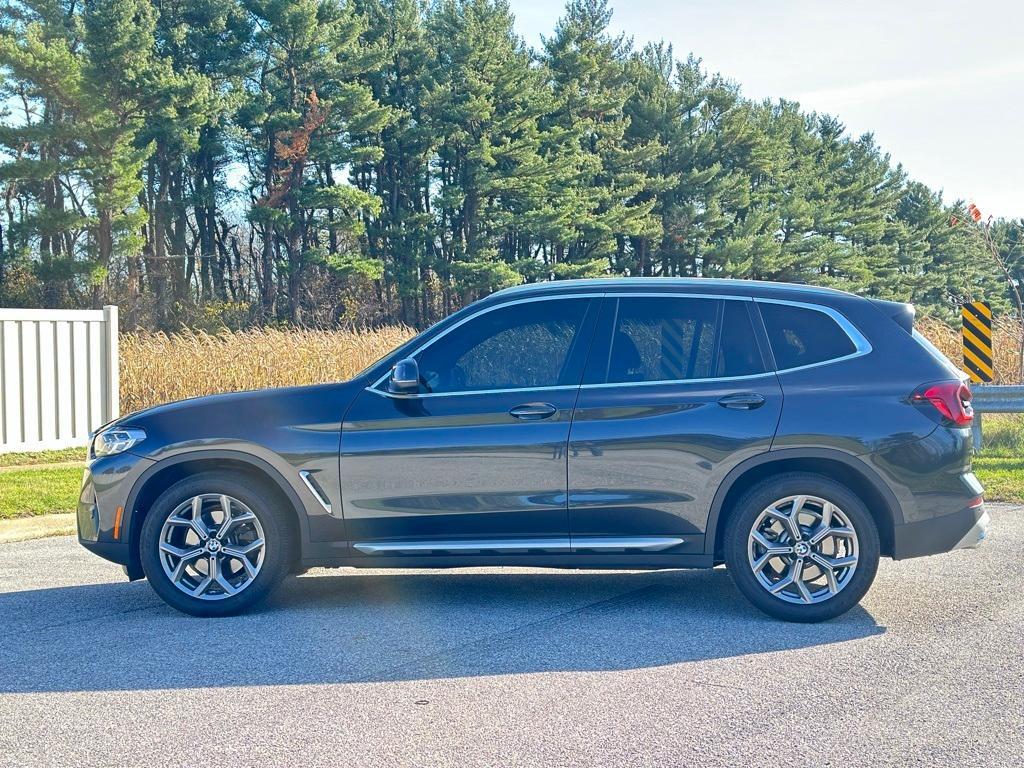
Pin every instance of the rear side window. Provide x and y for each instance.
(802, 336)
(677, 339)
(738, 354)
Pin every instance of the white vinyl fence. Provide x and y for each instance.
(58, 376)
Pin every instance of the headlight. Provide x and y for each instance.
(116, 440)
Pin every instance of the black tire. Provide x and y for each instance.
(757, 499)
(279, 546)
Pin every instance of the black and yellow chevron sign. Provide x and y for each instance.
(977, 339)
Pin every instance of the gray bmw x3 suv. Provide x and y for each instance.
(796, 434)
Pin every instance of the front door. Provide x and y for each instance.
(476, 461)
(678, 396)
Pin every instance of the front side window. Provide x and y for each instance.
(518, 346)
(803, 336)
(677, 339)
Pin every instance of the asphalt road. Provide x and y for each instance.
(514, 667)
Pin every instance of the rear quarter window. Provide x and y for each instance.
(803, 336)
(936, 354)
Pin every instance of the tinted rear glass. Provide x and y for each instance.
(678, 339)
(937, 354)
(738, 354)
(801, 336)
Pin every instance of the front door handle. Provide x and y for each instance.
(533, 411)
(745, 401)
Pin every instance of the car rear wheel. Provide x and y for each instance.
(802, 547)
(213, 545)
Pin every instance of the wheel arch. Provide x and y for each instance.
(842, 467)
(162, 475)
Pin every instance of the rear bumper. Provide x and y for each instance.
(960, 530)
(976, 535)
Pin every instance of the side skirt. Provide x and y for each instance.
(569, 560)
(522, 546)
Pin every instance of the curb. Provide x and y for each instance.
(37, 527)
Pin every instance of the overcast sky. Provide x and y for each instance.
(940, 84)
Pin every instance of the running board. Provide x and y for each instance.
(522, 546)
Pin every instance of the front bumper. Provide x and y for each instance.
(961, 530)
(106, 485)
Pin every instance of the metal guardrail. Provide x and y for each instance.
(997, 398)
(994, 398)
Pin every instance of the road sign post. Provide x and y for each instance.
(976, 317)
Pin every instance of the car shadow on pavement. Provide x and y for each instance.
(367, 626)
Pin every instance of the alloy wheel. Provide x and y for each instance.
(803, 549)
(212, 546)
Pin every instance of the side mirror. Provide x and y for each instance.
(405, 378)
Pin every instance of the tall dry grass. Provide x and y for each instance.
(157, 368)
(1006, 336)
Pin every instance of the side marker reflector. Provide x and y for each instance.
(117, 523)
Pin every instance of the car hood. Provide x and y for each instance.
(273, 418)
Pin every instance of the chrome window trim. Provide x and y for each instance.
(501, 305)
(415, 395)
(860, 343)
(677, 381)
(590, 294)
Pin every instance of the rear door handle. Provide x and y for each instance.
(746, 401)
(533, 411)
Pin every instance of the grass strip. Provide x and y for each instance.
(28, 491)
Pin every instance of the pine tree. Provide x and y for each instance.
(96, 76)
(716, 229)
(405, 157)
(307, 108)
(401, 237)
(591, 85)
(121, 82)
(207, 40)
(653, 112)
(501, 175)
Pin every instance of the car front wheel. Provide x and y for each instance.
(213, 545)
(802, 547)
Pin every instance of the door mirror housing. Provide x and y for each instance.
(405, 378)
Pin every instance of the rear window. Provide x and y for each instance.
(802, 336)
(680, 339)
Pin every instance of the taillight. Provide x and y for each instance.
(952, 399)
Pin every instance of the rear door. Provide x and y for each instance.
(677, 392)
